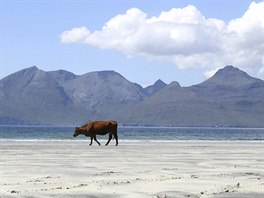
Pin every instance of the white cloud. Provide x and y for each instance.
(184, 36)
(261, 71)
(75, 35)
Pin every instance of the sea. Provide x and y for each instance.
(21, 133)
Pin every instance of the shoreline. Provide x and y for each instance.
(139, 126)
(196, 169)
(104, 140)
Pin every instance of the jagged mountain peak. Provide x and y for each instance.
(230, 76)
(159, 82)
(158, 85)
(34, 67)
(22, 77)
(230, 70)
(29, 70)
(174, 84)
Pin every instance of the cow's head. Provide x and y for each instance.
(77, 131)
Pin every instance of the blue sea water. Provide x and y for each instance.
(135, 133)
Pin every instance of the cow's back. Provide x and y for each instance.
(103, 127)
(102, 124)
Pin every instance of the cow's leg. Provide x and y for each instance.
(109, 139)
(91, 140)
(96, 140)
(115, 134)
(116, 137)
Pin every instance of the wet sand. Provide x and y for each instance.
(154, 169)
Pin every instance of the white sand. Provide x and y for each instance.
(132, 170)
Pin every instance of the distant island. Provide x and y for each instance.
(230, 98)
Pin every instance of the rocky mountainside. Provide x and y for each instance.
(229, 98)
(58, 97)
(30, 95)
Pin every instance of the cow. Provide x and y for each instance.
(91, 129)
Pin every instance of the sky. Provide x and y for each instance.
(184, 41)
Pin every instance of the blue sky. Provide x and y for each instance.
(184, 41)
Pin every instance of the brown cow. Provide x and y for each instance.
(100, 128)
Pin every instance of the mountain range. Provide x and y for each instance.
(230, 98)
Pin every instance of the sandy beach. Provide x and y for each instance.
(154, 169)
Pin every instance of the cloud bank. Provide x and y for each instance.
(184, 36)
